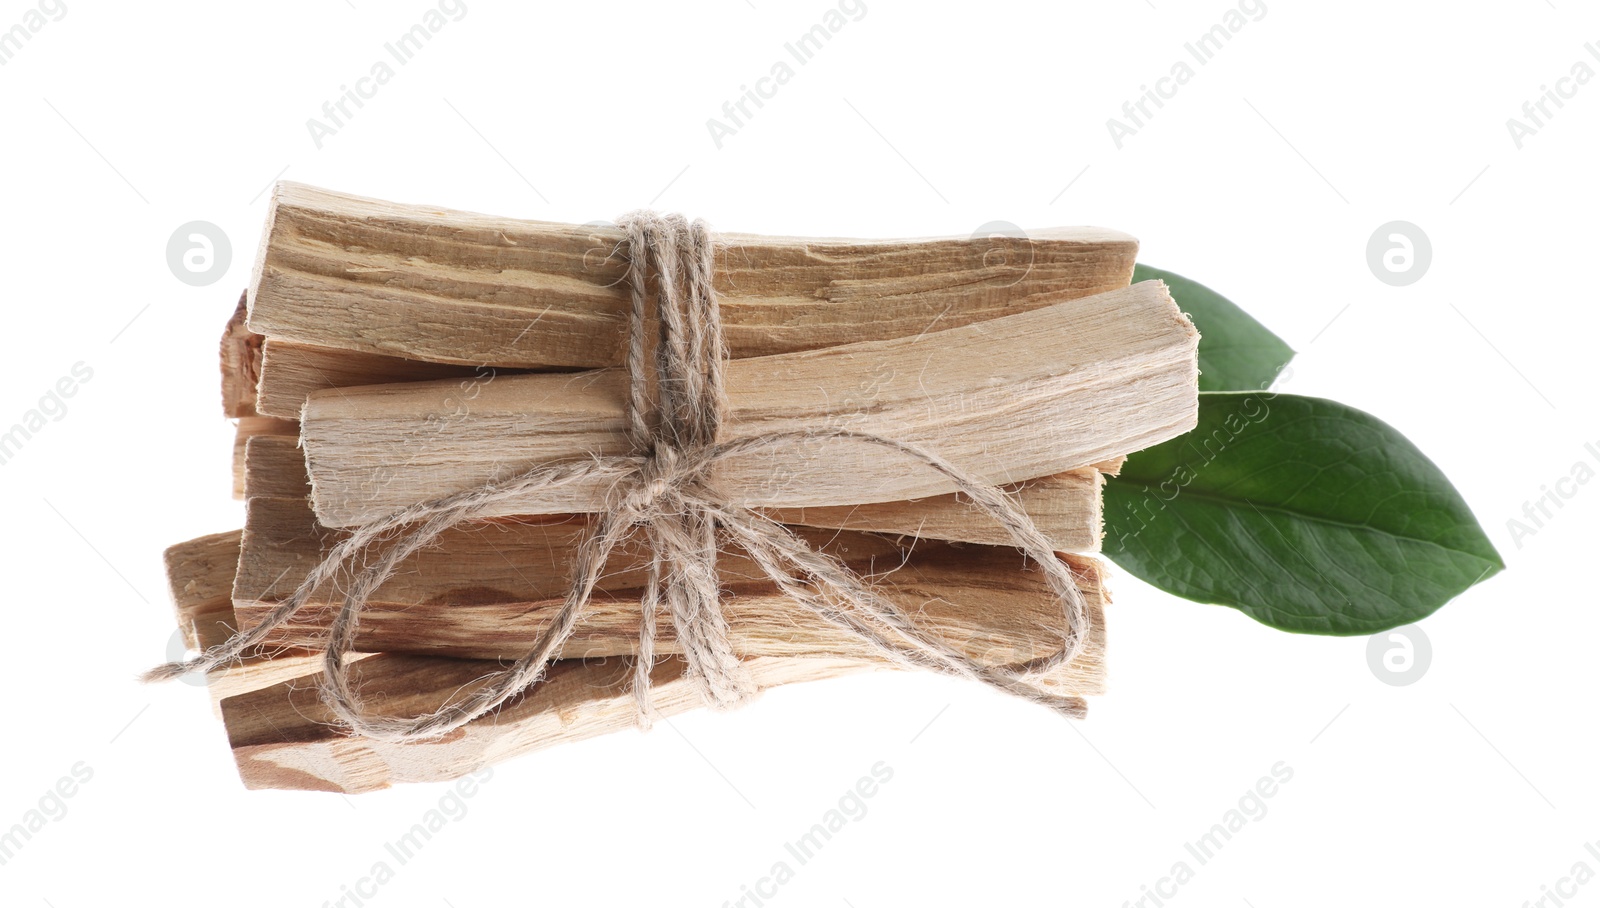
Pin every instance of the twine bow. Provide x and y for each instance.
(664, 490)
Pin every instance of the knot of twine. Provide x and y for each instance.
(663, 490)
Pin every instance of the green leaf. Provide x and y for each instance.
(1303, 513)
(1237, 353)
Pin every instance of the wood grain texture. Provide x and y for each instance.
(428, 283)
(1010, 399)
(487, 590)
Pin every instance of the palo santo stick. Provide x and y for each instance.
(1066, 507)
(240, 353)
(291, 371)
(200, 578)
(249, 427)
(488, 590)
(200, 575)
(240, 357)
(285, 737)
(448, 286)
(1010, 399)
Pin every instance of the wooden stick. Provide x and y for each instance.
(1066, 506)
(488, 590)
(200, 575)
(290, 372)
(284, 736)
(248, 427)
(427, 283)
(1010, 399)
(240, 358)
(200, 579)
(240, 353)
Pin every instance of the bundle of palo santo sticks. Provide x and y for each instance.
(387, 354)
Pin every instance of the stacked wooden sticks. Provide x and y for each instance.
(388, 354)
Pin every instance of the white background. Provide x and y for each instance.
(1264, 177)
